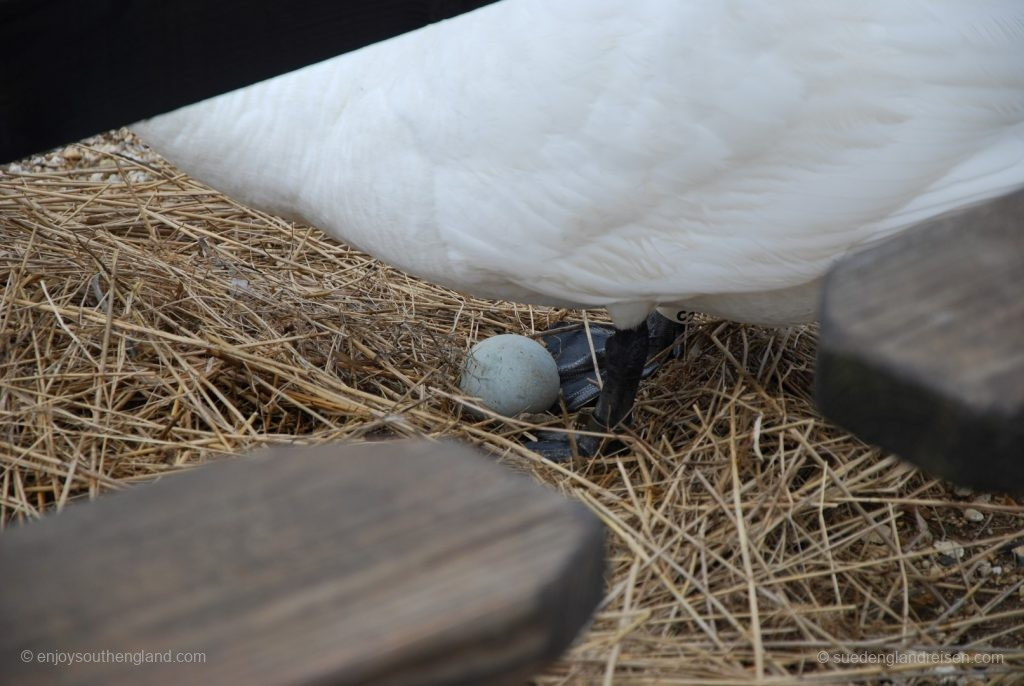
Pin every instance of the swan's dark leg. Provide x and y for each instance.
(625, 356)
(622, 357)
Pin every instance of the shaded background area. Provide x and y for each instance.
(73, 68)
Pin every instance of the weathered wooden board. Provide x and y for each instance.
(73, 68)
(388, 563)
(922, 345)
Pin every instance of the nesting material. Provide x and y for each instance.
(147, 323)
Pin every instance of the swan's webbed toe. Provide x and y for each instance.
(622, 359)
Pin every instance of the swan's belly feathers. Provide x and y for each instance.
(595, 152)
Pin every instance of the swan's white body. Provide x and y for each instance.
(716, 155)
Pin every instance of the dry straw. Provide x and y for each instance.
(148, 323)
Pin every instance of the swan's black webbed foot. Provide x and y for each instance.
(572, 352)
(622, 359)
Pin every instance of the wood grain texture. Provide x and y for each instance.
(387, 563)
(922, 345)
(73, 68)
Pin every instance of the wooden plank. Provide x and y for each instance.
(387, 563)
(922, 345)
(73, 68)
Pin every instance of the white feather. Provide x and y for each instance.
(718, 154)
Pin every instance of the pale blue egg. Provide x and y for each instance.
(511, 374)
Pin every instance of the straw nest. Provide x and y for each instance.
(149, 323)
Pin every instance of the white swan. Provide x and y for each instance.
(713, 155)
